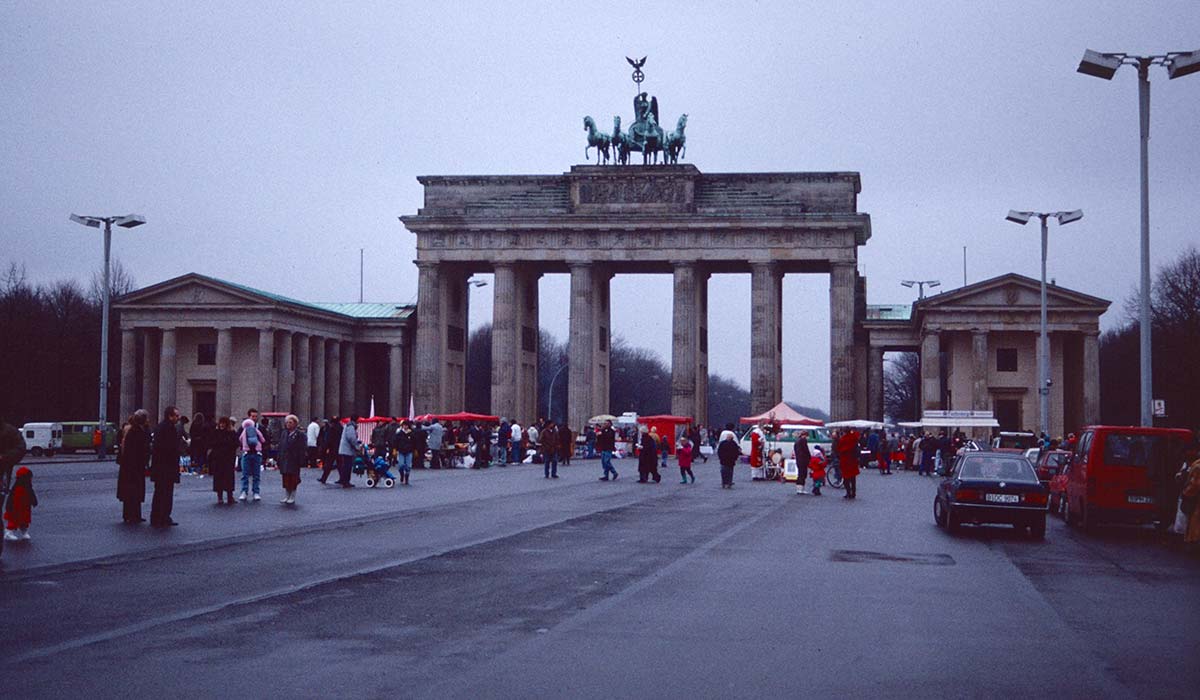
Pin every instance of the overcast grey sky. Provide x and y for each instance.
(295, 131)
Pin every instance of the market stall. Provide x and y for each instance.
(666, 426)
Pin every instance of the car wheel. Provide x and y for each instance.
(1037, 530)
(36, 452)
(939, 512)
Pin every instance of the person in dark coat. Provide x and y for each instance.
(420, 440)
(728, 451)
(331, 436)
(548, 442)
(803, 455)
(164, 468)
(197, 447)
(223, 447)
(293, 445)
(131, 467)
(648, 460)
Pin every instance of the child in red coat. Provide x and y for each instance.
(816, 469)
(18, 508)
(684, 453)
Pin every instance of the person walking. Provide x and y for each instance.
(728, 452)
(606, 443)
(664, 448)
(847, 451)
(549, 449)
(648, 458)
(222, 458)
(816, 468)
(348, 449)
(19, 505)
(293, 451)
(402, 444)
(12, 451)
(803, 455)
(312, 436)
(328, 441)
(437, 433)
(684, 455)
(253, 445)
(566, 445)
(132, 463)
(164, 469)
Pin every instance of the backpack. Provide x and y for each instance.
(252, 437)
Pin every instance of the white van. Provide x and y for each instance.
(42, 438)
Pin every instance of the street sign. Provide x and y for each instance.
(1160, 408)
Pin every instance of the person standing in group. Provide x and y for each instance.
(566, 445)
(252, 443)
(728, 452)
(131, 466)
(847, 451)
(549, 449)
(348, 449)
(293, 449)
(197, 447)
(684, 455)
(164, 468)
(503, 434)
(312, 436)
(222, 458)
(330, 438)
(803, 455)
(402, 444)
(664, 448)
(816, 468)
(606, 443)
(435, 434)
(516, 434)
(589, 441)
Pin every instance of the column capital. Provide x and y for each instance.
(979, 331)
(1093, 332)
(427, 264)
(769, 267)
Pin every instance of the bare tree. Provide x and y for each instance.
(901, 386)
(120, 282)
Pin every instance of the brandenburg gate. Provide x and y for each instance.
(595, 222)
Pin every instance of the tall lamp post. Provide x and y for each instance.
(127, 221)
(1064, 217)
(1105, 65)
(550, 392)
(920, 285)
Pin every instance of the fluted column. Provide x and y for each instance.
(166, 370)
(505, 341)
(319, 407)
(1091, 377)
(766, 337)
(931, 371)
(689, 354)
(285, 374)
(979, 377)
(224, 372)
(842, 281)
(128, 374)
(303, 393)
(266, 370)
(581, 347)
(395, 402)
(875, 377)
(150, 362)
(333, 377)
(427, 359)
(349, 381)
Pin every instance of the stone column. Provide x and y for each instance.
(1091, 377)
(319, 407)
(766, 336)
(979, 378)
(224, 372)
(842, 281)
(505, 342)
(427, 359)
(333, 377)
(266, 370)
(285, 374)
(601, 363)
(395, 402)
(166, 371)
(349, 404)
(931, 371)
(128, 375)
(150, 363)
(875, 377)
(689, 356)
(302, 403)
(582, 345)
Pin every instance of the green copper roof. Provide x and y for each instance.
(889, 312)
(352, 309)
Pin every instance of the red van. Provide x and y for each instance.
(1114, 470)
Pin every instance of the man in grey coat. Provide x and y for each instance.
(436, 435)
(348, 449)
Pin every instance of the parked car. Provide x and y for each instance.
(991, 487)
(1014, 441)
(1114, 470)
(785, 440)
(1051, 462)
(42, 438)
(1058, 489)
(78, 435)
(1032, 454)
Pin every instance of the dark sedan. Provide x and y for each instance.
(992, 487)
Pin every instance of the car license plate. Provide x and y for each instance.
(1002, 498)
(1141, 499)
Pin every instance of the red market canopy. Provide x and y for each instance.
(463, 416)
(782, 413)
(664, 419)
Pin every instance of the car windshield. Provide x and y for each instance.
(991, 468)
(1017, 441)
(1056, 459)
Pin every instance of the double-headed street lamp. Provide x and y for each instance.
(1064, 218)
(920, 285)
(127, 221)
(1105, 65)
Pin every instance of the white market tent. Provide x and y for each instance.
(858, 424)
(782, 413)
(958, 419)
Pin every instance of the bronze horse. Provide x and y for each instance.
(596, 139)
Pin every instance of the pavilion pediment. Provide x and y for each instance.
(194, 290)
(1011, 291)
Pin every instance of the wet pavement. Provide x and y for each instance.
(499, 583)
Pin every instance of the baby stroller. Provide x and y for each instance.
(378, 473)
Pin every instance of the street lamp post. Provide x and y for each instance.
(1064, 217)
(920, 285)
(1105, 65)
(127, 221)
(550, 392)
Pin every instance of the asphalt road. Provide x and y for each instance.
(500, 583)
